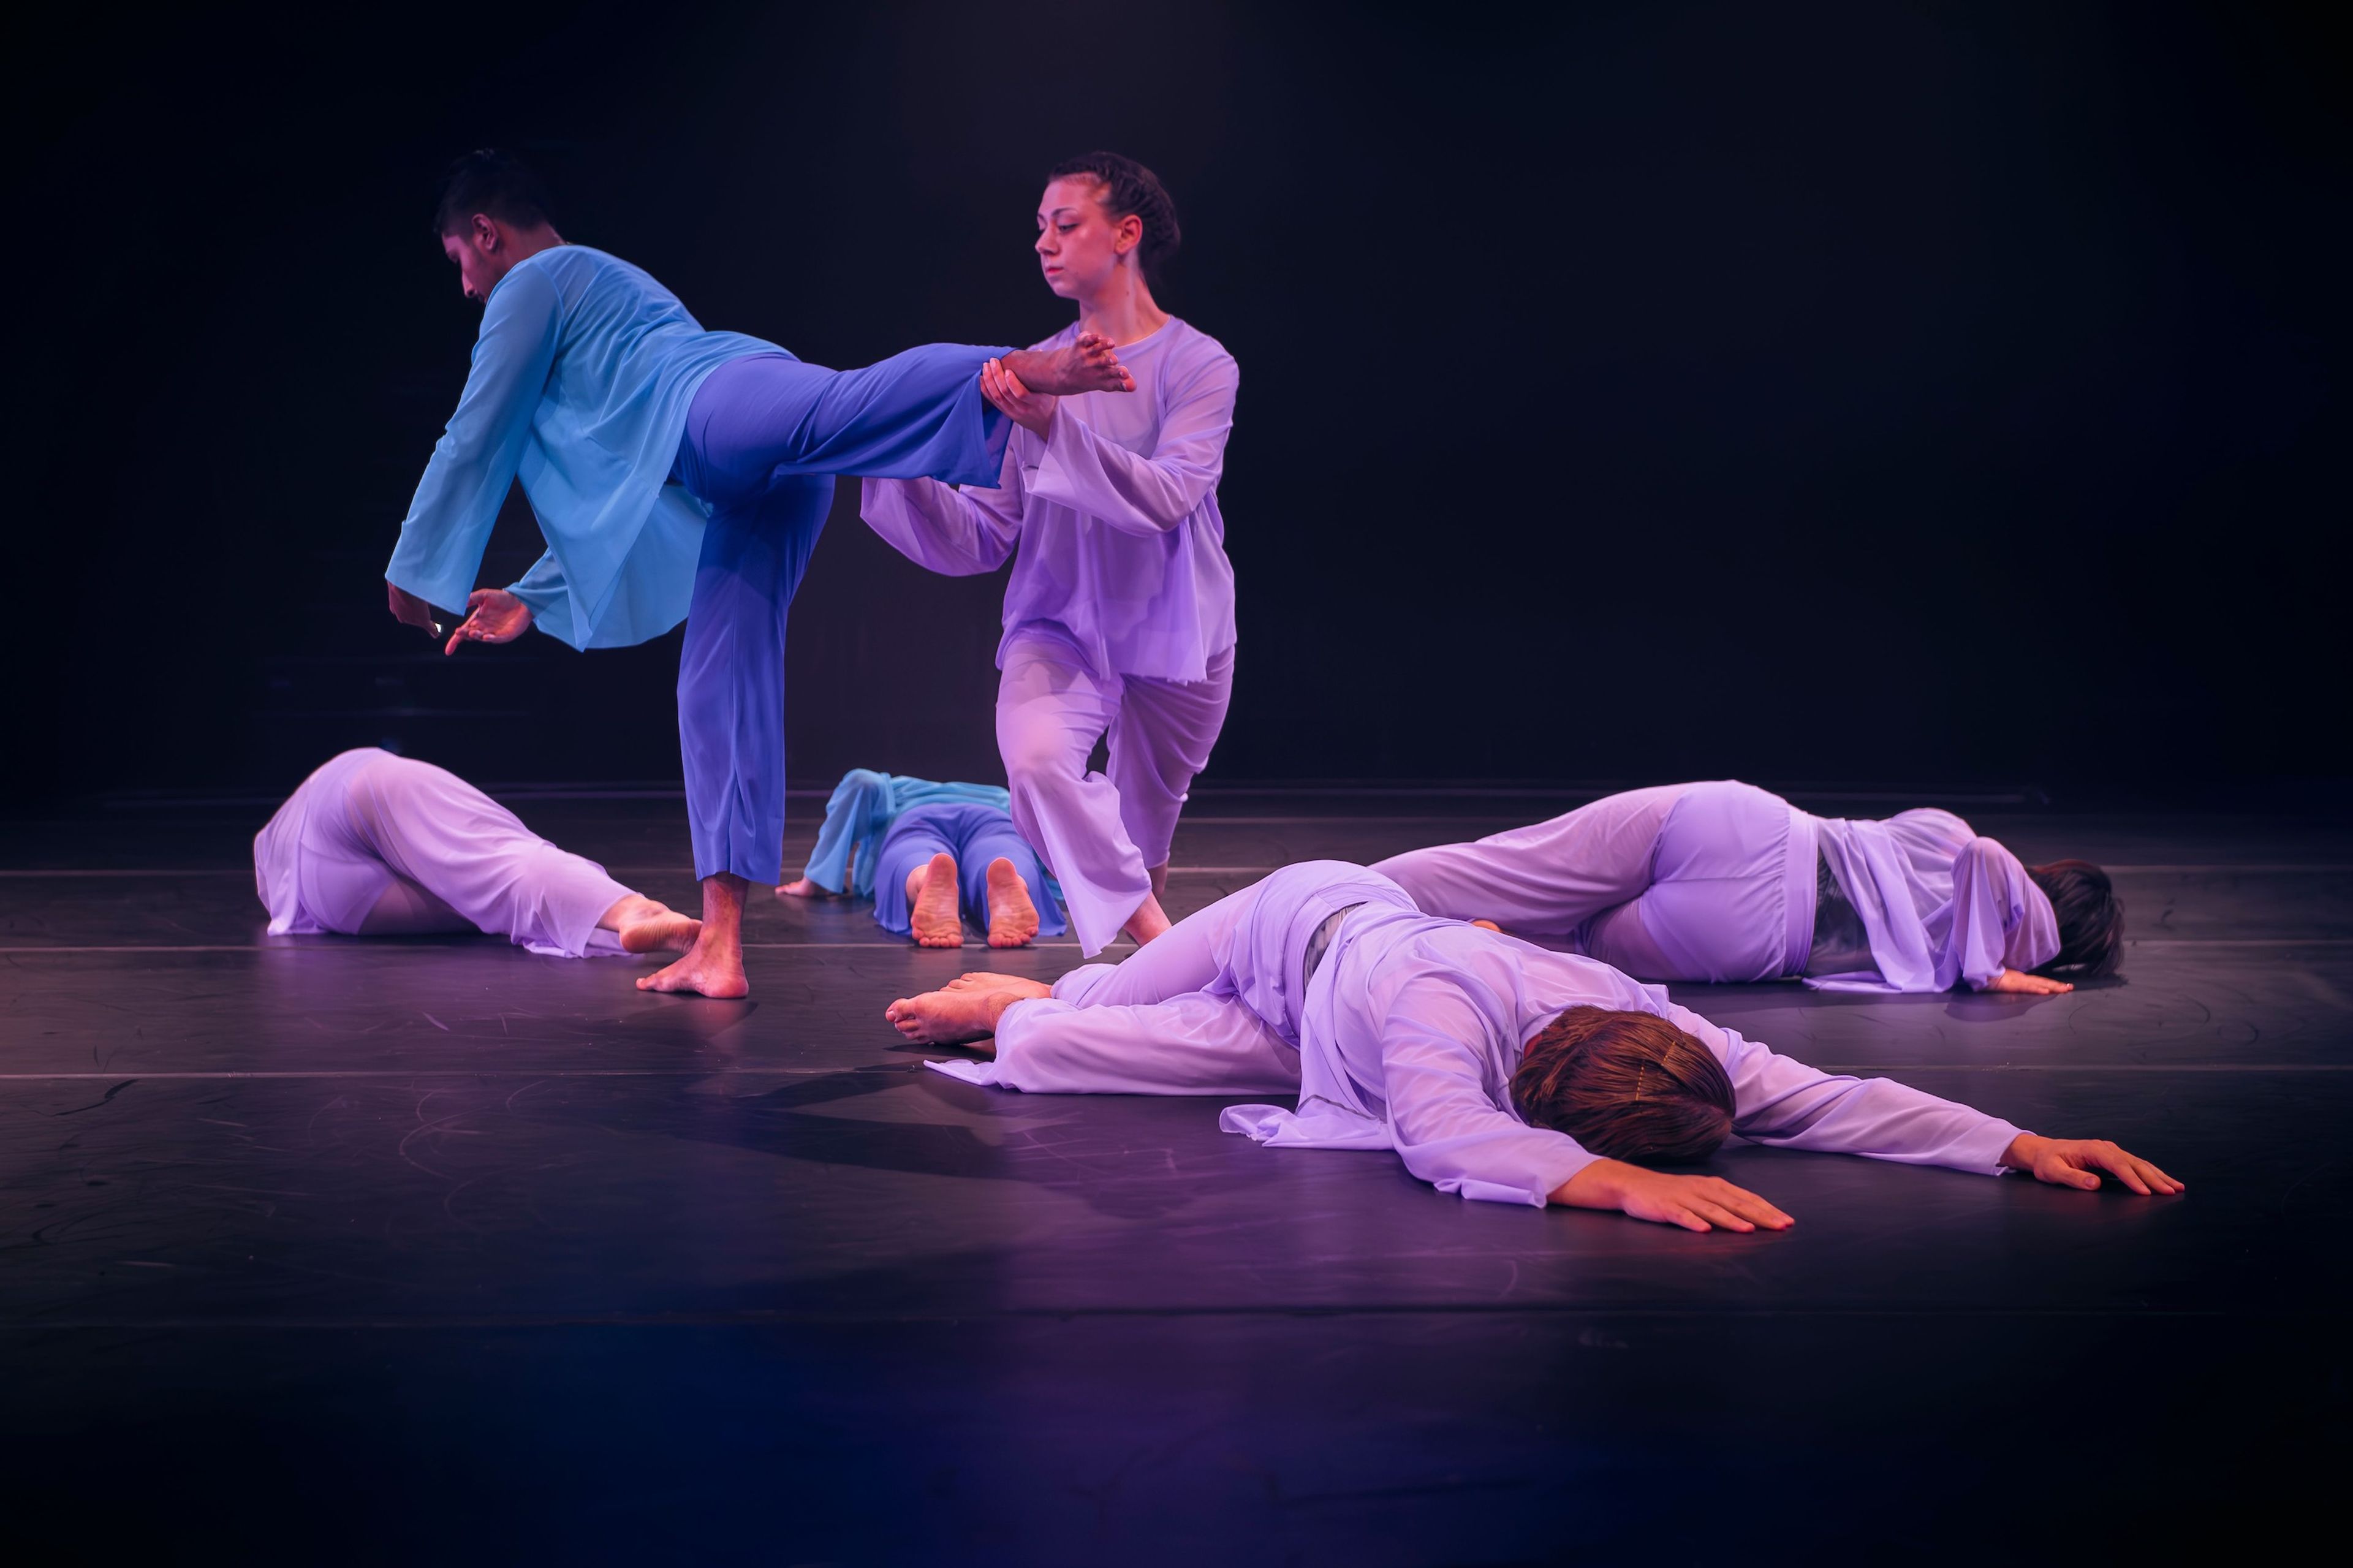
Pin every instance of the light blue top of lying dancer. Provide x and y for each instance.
(580, 386)
(863, 807)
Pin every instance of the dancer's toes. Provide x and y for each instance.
(935, 918)
(703, 972)
(668, 932)
(944, 1017)
(1012, 918)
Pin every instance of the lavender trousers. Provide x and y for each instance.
(1703, 881)
(378, 844)
(1101, 834)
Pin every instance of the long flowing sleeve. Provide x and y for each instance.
(850, 812)
(957, 534)
(1135, 493)
(1998, 919)
(544, 591)
(473, 465)
(1445, 1116)
(1789, 1105)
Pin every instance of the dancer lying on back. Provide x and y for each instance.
(1725, 883)
(375, 845)
(928, 854)
(1497, 1070)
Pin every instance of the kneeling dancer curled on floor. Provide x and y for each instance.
(1724, 882)
(928, 854)
(375, 845)
(1496, 1068)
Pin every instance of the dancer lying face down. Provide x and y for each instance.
(375, 845)
(1496, 1069)
(928, 854)
(1725, 883)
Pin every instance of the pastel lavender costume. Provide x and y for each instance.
(1717, 882)
(677, 472)
(880, 826)
(375, 845)
(1406, 1037)
(1119, 617)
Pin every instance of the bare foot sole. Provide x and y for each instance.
(703, 973)
(947, 1018)
(1012, 918)
(935, 917)
(669, 931)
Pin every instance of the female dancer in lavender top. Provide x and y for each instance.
(375, 845)
(1725, 883)
(1120, 613)
(1496, 1069)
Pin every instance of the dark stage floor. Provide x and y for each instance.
(334, 1251)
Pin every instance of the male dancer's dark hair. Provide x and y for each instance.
(494, 184)
(2091, 916)
(1628, 1086)
(1130, 187)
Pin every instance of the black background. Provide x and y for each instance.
(1867, 392)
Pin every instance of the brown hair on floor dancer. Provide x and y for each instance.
(2091, 918)
(1628, 1086)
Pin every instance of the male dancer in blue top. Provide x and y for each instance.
(645, 442)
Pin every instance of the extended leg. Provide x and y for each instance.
(731, 716)
(1547, 880)
(470, 857)
(1193, 1044)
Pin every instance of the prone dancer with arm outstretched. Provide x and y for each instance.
(1496, 1069)
(1722, 881)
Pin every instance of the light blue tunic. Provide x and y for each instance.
(580, 386)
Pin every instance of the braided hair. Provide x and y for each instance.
(1131, 188)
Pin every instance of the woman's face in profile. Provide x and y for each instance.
(1079, 243)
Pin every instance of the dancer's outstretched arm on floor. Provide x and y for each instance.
(1786, 1103)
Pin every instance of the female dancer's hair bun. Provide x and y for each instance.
(1130, 187)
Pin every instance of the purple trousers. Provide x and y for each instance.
(1701, 881)
(1101, 834)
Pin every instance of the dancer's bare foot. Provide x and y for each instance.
(1149, 920)
(933, 904)
(646, 925)
(1012, 918)
(953, 1018)
(1087, 363)
(804, 888)
(990, 980)
(714, 966)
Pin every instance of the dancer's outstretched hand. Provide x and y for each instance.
(2078, 1161)
(1031, 410)
(492, 615)
(1087, 363)
(2026, 985)
(1695, 1203)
